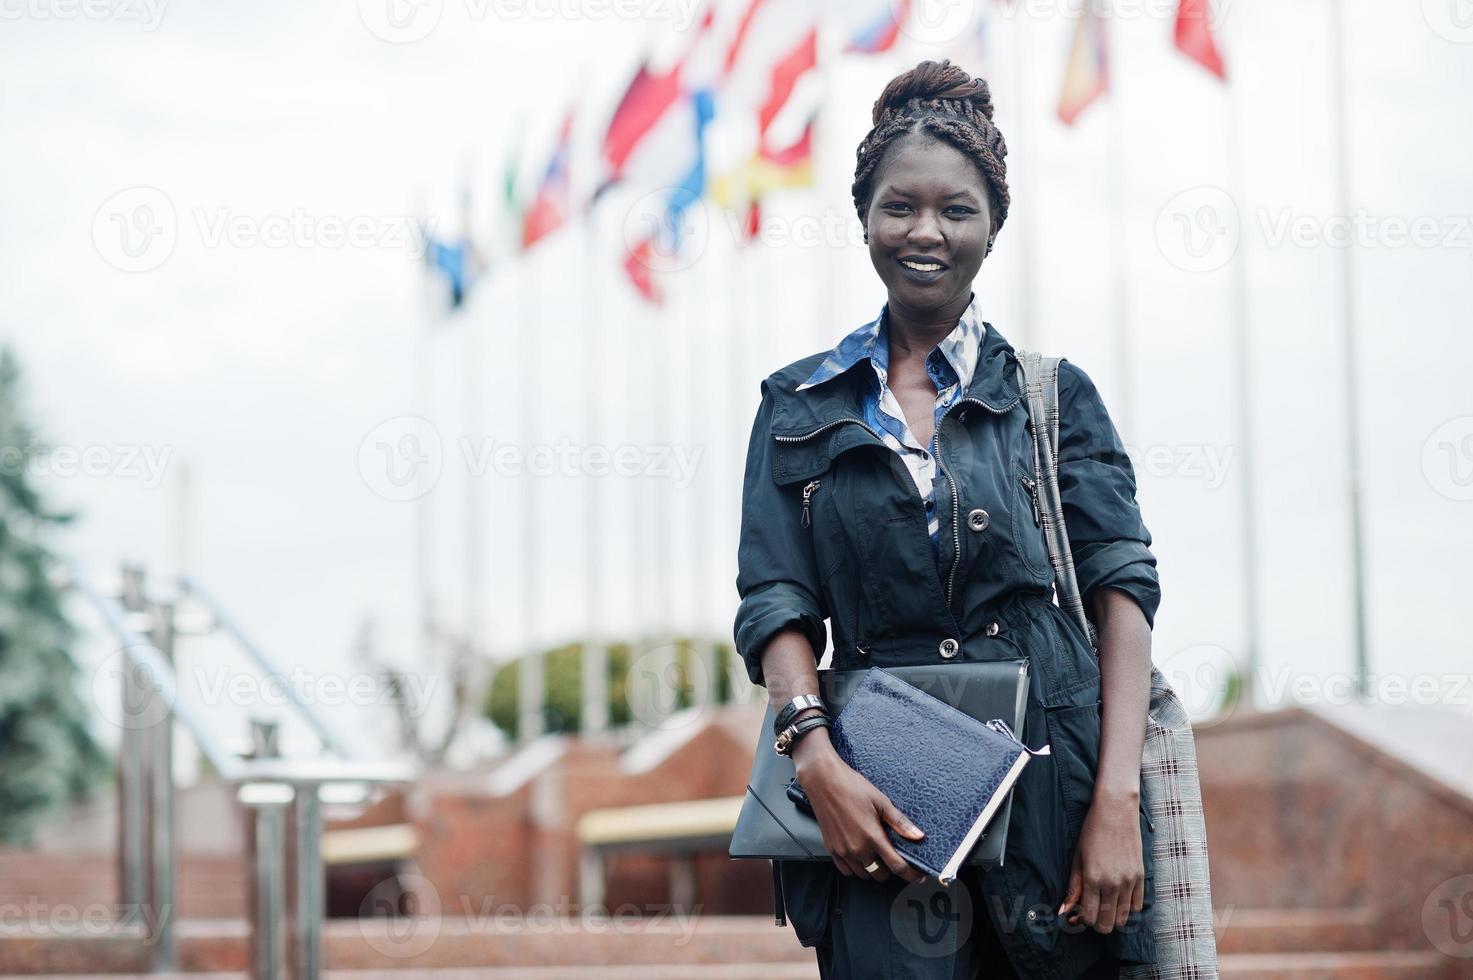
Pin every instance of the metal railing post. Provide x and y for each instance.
(132, 893)
(162, 844)
(308, 906)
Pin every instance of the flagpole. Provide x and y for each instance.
(1025, 236)
(529, 673)
(1342, 183)
(595, 672)
(1243, 389)
(1119, 228)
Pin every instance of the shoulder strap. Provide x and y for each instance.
(1038, 379)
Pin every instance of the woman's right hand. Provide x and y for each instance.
(852, 813)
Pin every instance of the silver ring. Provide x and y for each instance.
(872, 867)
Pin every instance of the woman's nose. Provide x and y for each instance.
(925, 229)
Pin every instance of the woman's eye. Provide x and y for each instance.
(960, 211)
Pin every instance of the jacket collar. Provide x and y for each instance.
(798, 410)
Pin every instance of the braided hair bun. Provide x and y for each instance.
(944, 101)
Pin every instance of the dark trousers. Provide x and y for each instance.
(892, 930)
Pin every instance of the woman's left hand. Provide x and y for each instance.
(1108, 879)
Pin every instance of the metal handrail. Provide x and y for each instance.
(266, 784)
(188, 585)
(161, 676)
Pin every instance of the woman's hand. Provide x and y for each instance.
(852, 813)
(1108, 878)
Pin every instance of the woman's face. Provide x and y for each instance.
(928, 222)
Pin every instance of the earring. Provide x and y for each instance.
(989, 245)
(866, 236)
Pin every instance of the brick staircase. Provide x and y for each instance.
(1305, 884)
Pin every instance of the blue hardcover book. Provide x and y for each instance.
(944, 769)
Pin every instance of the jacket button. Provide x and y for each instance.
(993, 628)
(1032, 914)
(977, 519)
(949, 647)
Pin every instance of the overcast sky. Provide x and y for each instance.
(273, 370)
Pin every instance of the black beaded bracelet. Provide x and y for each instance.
(789, 736)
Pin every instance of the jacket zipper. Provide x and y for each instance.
(826, 425)
(955, 511)
(1032, 488)
(808, 492)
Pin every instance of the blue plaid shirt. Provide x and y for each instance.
(949, 364)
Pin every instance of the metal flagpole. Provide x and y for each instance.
(1243, 378)
(595, 667)
(529, 672)
(1119, 229)
(1025, 234)
(1341, 179)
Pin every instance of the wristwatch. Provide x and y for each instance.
(800, 703)
(788, 737)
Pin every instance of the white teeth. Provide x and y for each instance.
(921, 267)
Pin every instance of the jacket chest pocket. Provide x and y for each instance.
(1027, 508)
(822, 486)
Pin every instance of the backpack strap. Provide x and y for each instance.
(1038, 379)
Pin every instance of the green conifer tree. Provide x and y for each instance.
(47, 752)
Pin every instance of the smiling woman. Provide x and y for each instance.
(888, 489)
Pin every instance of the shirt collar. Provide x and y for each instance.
(960, 348)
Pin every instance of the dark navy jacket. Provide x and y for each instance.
(864, 562)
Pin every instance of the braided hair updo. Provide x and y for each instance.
(941, 100)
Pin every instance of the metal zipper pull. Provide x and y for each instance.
(1032, 489)
(808, 492)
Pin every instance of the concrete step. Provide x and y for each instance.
(1297, 930)
(1409, 965)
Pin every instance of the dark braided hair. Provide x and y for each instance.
(942, 100)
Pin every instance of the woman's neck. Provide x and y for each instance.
(915, 333)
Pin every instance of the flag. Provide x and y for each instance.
(767, 170)
(549, 209)
(880, 29)
(647, 100)
(678, 150)
(1194, 35)
(1086, 76)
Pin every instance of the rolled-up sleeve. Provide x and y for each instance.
(1108, 538)
(777, 574)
